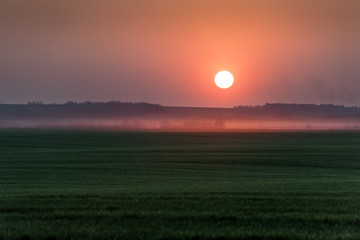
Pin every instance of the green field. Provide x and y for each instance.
(122, 185)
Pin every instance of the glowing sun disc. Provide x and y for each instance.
(224, 79)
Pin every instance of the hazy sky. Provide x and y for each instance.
(168, 51)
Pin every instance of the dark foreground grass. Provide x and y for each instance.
(103, 185)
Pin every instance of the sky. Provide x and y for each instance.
(168, 52)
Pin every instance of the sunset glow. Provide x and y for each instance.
(168, 52)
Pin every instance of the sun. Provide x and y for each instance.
(224, 79)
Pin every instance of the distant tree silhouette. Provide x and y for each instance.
(35, 103)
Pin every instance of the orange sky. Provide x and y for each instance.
(168, 52)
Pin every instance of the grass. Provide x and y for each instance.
(122, 185)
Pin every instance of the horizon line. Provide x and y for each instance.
(175, 106)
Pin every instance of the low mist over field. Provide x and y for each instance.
(145, 116)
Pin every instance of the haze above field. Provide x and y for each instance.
(168, 52)
(145, 116)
